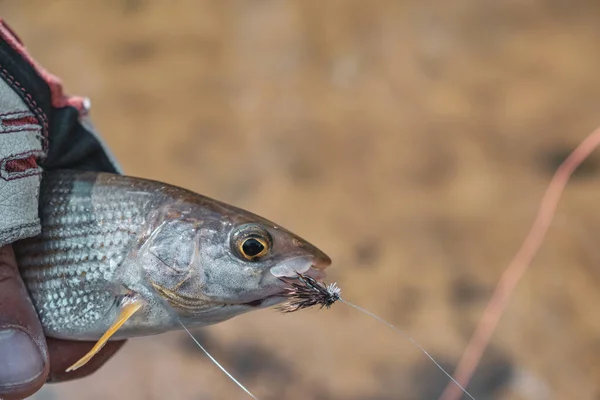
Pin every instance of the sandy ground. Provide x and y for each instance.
(411, 140)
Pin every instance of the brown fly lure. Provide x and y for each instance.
(306, 292)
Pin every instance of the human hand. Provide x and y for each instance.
(40, 129)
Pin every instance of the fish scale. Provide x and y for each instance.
(67, 267)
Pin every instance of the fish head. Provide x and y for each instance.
(211, 261)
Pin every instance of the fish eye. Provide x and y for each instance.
(251, 242)
(253, 247)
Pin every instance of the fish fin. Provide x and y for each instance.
(127, 311)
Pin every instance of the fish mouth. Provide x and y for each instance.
(261, 302)
(313, 271)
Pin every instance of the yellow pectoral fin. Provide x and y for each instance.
(126, 312)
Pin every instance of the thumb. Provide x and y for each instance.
(24, 362)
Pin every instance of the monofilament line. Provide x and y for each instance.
(216, 362)
(412, 340)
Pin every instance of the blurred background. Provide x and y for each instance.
(411, 140)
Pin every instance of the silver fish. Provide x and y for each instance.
(121, 257)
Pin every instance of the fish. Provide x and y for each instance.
(120, 257)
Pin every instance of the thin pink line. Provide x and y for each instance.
(515, 270)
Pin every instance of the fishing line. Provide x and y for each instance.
(216, 362)
(307, 292)
(406, 335)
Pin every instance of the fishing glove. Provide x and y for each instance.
(40, 129)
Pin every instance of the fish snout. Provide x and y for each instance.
(321, 261)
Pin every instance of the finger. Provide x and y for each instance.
(64, 353)
(23, 353)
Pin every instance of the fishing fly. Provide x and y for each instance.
(307, 292)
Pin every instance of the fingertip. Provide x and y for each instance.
(22, 369)
(23, 353)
